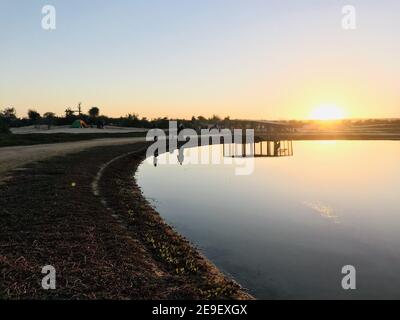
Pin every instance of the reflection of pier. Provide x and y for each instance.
(275, 148)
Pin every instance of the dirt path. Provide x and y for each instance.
(67, 129)
(15, 157)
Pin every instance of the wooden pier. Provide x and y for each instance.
(266, 149)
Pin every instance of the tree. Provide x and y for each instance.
(215, 118)
(227, 121)
(3, 125)
(8, 115)
(49, 116)
(94, 112)
(34, 116)
(69, 113)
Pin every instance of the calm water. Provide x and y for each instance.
(286, 231)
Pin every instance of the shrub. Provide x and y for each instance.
(4, 127)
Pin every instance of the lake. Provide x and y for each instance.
(286, 230)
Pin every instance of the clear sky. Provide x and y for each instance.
(269, 59)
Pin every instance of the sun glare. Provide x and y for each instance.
(327, 112)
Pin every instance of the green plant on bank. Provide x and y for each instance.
(224, 290)
(181, 262)
(186, 263)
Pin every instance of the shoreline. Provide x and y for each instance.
(89, 195)
(109, 244)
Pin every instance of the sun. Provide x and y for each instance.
(327, 112)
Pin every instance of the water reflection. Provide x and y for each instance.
(287, 230)
(181, 155)
(267, 148)
(221, 153)
(324, 210)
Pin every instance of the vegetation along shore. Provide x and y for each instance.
(84, 214)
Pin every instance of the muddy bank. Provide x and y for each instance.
(99, 232)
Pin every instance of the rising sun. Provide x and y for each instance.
(327, 112)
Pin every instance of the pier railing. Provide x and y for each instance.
(267, 148)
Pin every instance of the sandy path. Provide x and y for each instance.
(15, 157)
(67, 129)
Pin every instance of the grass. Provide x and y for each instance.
(9, 140)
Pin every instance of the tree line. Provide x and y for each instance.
(9, 119)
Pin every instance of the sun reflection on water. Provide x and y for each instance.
(324, 211)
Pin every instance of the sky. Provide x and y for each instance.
(249, 59)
